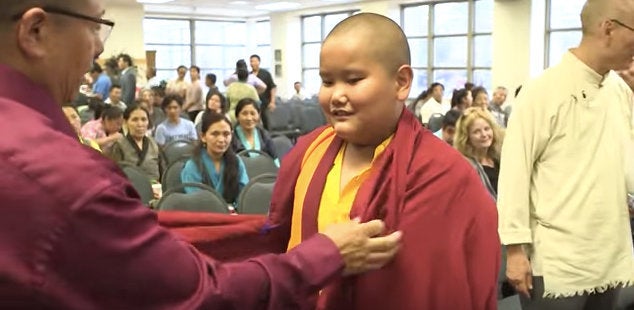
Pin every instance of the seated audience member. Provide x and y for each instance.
(298, 92)
(136, 148)
(210, 82)
(114, 99)
(106, 128)
(174, 127)
(499, 98)
(252, 79)
(375, 160)
(247, 134)
(214, 163)
(448, 129)
(479, 139)
(152, 79)
(461, 99)
(509, 108)
(216, 102)
(73, 118)
(157, 115)
(430, 102)
(240, 90)
(469, 86)
(480, 98)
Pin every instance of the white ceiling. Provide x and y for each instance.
(231, 8)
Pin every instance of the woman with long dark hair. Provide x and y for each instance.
(214, 163)
(461, 99)
(216, 102)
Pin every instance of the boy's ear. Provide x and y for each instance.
(404, 77)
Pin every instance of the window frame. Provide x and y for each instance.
(323, 35)
(431, 36)
(258, 46)
(193, 44)
(549, 30)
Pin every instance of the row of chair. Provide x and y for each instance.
(255, 198)
(177, 149)
(294, 118)
(255, 166)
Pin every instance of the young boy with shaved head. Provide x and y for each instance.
(563, 179)
(375, 161)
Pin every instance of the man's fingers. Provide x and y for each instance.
(523, 289)
(381, 258)
(372, 228)
(385, 243)
(529, 281)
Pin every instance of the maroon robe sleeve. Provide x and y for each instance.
(113, 255)
(483, 258)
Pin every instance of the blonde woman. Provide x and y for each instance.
(479, 139)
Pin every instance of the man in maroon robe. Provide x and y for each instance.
(74, 233)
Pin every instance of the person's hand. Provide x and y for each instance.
(361, 247)
(271, 106)
(628, 75)
(518, 270)
(115, 136)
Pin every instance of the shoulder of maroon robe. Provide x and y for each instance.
(451, 251)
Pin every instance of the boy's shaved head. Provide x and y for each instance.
(384, 39)
(366, 75)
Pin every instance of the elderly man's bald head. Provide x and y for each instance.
(384, 39)
(597, 11)
(13, 7)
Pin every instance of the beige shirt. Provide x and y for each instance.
(178, 87)
(195, 94)
(562, 187)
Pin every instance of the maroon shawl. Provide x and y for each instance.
(420, 185)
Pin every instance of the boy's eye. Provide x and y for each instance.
(326, 83)
(354, 80)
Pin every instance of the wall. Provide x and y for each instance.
(286, 35)
(127, 34)
(518, 37)
(511, 42)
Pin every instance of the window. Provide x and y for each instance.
(563, 28)
(217, 47)
(263, 43)
(314, 29)
(214, 46)
(171, 39)
(450, 42)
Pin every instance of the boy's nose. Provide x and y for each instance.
(339, 97)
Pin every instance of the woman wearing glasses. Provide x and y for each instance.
(215, 164)
(479, 139)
